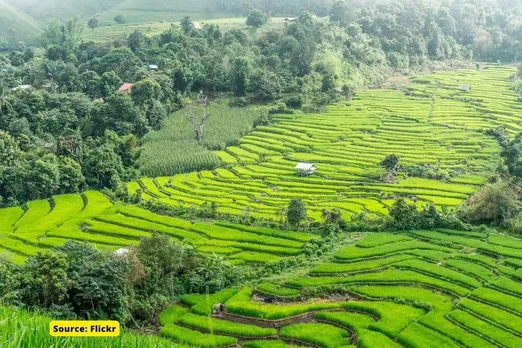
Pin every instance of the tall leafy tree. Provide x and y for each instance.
(296, 212)
(240, 75)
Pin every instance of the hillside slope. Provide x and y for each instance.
(45, 9)
(16, 26)
(138, 11)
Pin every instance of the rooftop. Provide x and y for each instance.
(304, 166)
(126, 87)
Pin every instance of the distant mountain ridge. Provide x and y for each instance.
(16, 25)
(63, 9)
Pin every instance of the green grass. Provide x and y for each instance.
(212, 325)
(439, 272)
(297, 236)
(20, 328)
(8, 217)
(371, 339)
(195, 338)
(417, 335)
(252, 257)
(439, 323)
(202, 304)
(133, 211)
(223, 233)
(323, 335)
(268, 344)
(393, 317)
(346, 143)
(496, 315)
(271, 289)
(353, 321)
(499, 299)
(65, 207)
(384, 277)
(338, 268)
(35, 211)
(172, 315)
(352, 253)
(174, 148)
(377, 239)
(240, 304)
(492, 332)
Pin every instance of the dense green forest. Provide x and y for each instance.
(59, 137)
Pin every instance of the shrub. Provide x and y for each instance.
(496, 204)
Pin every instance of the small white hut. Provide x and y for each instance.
(305, 169)
(122, 252)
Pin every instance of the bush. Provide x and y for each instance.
(257, 18)
(241, 102)
(497, 204)
(294, 101)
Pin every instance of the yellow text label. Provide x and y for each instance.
(77, 328)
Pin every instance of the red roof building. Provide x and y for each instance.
(126, 87)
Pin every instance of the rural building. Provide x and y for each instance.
(197, 25)
(152, 67)
(50, 85)
(122, 252)
(305, 169)
(21, 87)
(126, 87)
(465, 88)
(290, 20)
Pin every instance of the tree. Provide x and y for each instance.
(495, 204)
(390, 162)
(109, 83)
(256, 19)
(405, 216)
(93, 23)
(187, 25)
(306, 18)
(266, 85)
(197, 121)
(102, 166)
(240, 75)
(145, 91)
(43, 281)
(120, 19)
(44, 177)
(5, 101)
(341, 12)
(71, 177)
(296, 212)
(333, 216)
(4, 44)
(136, 40)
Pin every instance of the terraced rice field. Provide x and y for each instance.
(91, 217)
(421, 289)
(438, 127)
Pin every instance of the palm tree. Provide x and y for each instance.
(5, 101)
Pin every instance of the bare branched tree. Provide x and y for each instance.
(195, 118)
